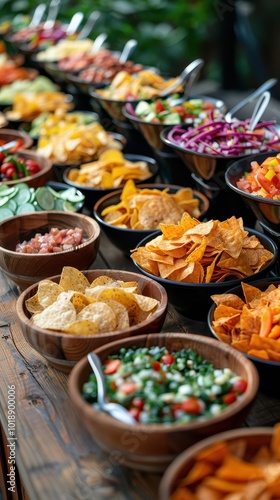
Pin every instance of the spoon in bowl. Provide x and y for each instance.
(116, 411)
(251, 97)
(186, 73)
(127, 50)
(37, 15)
(98, 42)
(89, 25)
(74, 23)
(259, 109)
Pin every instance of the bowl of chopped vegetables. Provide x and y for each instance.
(150, 117)
(208, 149)
(256, 179)
(24, 166)
(179, 387)
(126, 216)
(246, 317)
(239, 460)
(35, 245)
(195, 259)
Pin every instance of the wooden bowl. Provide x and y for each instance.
(63, 350)
(38, 179)
(151, 447)
(8, 134)
(254, 438)
(27, 269)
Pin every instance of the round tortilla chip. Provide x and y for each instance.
(57, 316)
(101, 314)
(82, 327)
(48, 292)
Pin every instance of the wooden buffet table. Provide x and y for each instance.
(56, 458)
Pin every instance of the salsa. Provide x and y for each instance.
(57, 240)
(158, 386)
(262, 180)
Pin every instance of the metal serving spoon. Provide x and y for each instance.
(117, 411)
(127, 50)
(37, 15)
(251, 97)
(259, 109)
(52, 14)
(8, 145)
(194, 65)
(89, 25)
(98, 42)
(74, 23)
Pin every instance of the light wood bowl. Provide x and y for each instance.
(151, 447)
(63, 350)
(254, 438)
(27, 269)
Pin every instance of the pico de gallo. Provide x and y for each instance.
(172, 111)
(262, 180)
(159, 386)
(16, 167)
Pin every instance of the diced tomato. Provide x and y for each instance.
(156, 366)
(191, 406)
(112, 366)
(135, 412)
(266, 184)
(167, 359)
(138, 403)
(128, 388)
(239, 386)
(229, 398)
(159, 107)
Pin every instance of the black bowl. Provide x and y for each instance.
(267, 211)
(193, 300)
(92, 195)
(151, 131)
(113, 107)
(269, 371)
(204, 165)
(127, 239)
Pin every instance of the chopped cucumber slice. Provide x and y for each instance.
(4, 200)
(44, 198)
(22, 196)
(25, 208)
(5, 213)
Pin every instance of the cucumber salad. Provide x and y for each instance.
(158, 386)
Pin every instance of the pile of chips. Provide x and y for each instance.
(146, 208)
(28, 105)
(77, 144)
(234, 469)
(111, 170)
(143, 85)
(78, 307)
(202, 252)
(251, 325)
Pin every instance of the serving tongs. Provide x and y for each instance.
(116, 410)
(250, 98)
(89, 25)
(127, 50)
(190, 71)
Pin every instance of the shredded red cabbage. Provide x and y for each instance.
(220, 138)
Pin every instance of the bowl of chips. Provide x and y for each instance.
(109, 173)
(69, 315)
(244, 461)
(126, 87)
(127, 216)
(255, 180)
(34, 245)
(160, 437)
(245, 317)
(194, 260)
(208, 149)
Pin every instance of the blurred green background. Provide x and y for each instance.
(238, 40)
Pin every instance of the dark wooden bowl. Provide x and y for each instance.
(8, 134)
(38, 179)
(63, 350)
(26, 269)
(254, 438)
(151, 447)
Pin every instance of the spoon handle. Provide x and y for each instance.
(38, 15)
(259, 109)
(89, 25)
(95, 364)
(265, 86)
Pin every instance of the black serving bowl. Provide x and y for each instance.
(269, 371)
(127, 239)
(114, 107)
(193, 300)
(151, 131)
(204, 165)
(92, 195)
(267, 211)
